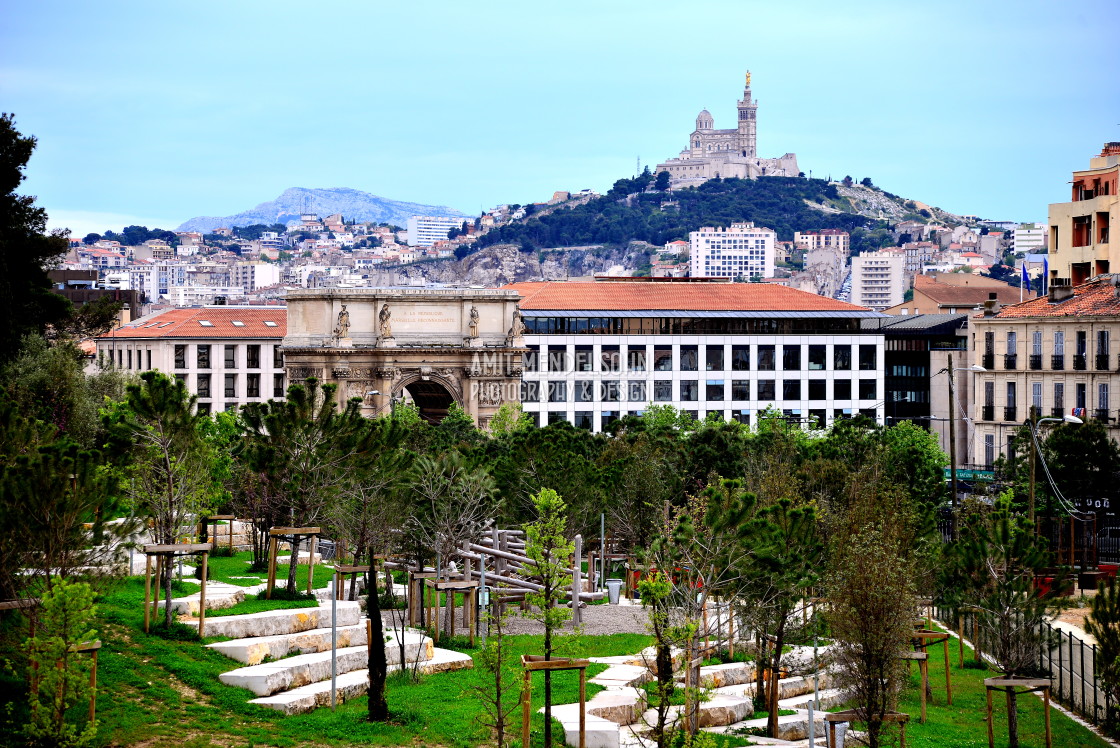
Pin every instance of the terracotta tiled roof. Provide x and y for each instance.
(1097, 298)
(622, 296)
(945, 294)
(262, 322)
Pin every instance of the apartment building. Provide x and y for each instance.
(1080, 245)
(878, 279)
(739, 251)
(823, 239)
(227, 356)
(1057, 354)
(424, 231)
(601, 350)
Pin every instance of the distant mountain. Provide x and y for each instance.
(352, 204)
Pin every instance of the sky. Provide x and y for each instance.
(155, 112)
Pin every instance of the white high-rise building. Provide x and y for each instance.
(1028, 237)
(740, 251)
(424, 231)
(878, 279)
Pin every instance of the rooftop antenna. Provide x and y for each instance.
(638, 159)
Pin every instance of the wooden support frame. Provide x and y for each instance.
(416, 595)
(164, 554)
(532, 663)
(340, 572)
(1009, 683)
(923, 666)
(853, 715)
(213, 521)
(92, 647)
(469, 591)
(290, 534)
(923, 640)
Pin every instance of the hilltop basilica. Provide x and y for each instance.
(727, 153)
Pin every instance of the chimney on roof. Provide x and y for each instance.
(1060, 290)
(991, 306)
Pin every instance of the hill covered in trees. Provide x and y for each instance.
(629, 213)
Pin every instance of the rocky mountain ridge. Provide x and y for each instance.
(353, 204)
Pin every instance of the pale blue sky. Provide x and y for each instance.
(154, 112)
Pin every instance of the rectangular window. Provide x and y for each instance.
(231, 357)
(989, 450)
(689, 358)
(1082, 342)
(791, 389)
(867, 358)
(766, 358)
(203, 409)
(1059, 399)
(583, 391)
(817, 389)
(1010, 395)
(278, 385)
(867, 389)
(842, 389)
(742, 416)
(558, 392)
(791, 358)
(1102, 399)
(149, 357)
(530, 392)
(1012, 341)
(585, 358)
(1102, 342)
(584, 419)
(252, 357)
(636, 392)
(231, 385)
(740, 358)
(842, 357)
(817, 357)
(609, 358)
(130, 358)
(557, 358)
(556, 416)
(766, 390)
(608, 417)
(1036, 396)
(252, 385)
(663, 358)
(636, 358)
(990, 343)
(989, 394)
(713, 358)
(816, 419)
(180, 357)
(1036, 343)
(277, 358)
(690, 391)
(740, 389)
(1079, 394)
(663, 391)
(1059, 343)
(203, 385)
(608, 391)
(715, 390)
(532, 358)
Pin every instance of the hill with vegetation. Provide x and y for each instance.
(636, 210)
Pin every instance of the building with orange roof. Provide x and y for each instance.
(954, 293)
(227, 355)
(1057, 354)
(1080, 241)
(600, 350)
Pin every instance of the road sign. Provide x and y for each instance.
(969, 474)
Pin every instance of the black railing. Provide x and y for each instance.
(1036, 361)
(1010, 360)
(989, 361)
(1009, 413)
(1101, 414)
(1102, 362)
(1057, 362)
(1079, 362)
(1057, 411)
(988, 413)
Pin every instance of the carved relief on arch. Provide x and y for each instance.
(300, 373)
(448, 381)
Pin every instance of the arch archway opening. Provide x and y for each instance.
(431, 398)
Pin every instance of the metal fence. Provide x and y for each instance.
(1069, 662)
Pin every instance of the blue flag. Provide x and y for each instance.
(1026, 278)
(1045, 275)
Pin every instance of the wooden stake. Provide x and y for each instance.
(93, 694)
(202, 600)
(526, 689)
(1046, 706)
(991, 733)
(948, 679)
(923, 666)
(960, 640)
(311, 562)
(582, 708)
(271, 567)
(147, 590)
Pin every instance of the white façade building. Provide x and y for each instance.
(601, 350)
(739, 251)
(227, 355)
(424, 231)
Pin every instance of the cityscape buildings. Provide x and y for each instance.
(741, 251)
(1079, 230)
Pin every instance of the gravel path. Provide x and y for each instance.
(597, 620)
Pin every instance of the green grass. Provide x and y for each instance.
(166, 693)
(963, 723)
(230, 568)
(259, 604)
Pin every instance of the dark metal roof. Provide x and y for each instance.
(919, 324)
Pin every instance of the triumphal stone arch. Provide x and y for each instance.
(433, 347)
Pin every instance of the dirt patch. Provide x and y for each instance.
(185, 691)
(1076, 616)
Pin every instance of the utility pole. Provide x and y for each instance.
(952, 448)
(1034, 448)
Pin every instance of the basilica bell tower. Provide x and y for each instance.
(748, 125)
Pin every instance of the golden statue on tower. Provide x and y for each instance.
(748, 79)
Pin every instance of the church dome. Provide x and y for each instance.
(704, 120)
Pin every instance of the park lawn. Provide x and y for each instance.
(163, 692)
(230, 569)
(964, 724)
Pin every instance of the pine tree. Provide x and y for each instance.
(1104, 626)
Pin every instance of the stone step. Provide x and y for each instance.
(791, 727)
(280, 621)
(826, 699)
(219, 595)
(267, 678)
(598, 732)
(354, 683)
(727, 674)
(719, 710)
(623, 706)
(254, 650)
(621, 676)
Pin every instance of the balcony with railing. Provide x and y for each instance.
(1079, 362)
(1102, 362)
(1036, 361)
(988, 413)
(1101, 414)
(989, 361)
(1057, 411)
(1010, 413)
(1057, 362)
(1010, 361)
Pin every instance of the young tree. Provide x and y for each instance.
(498, 703)
(549, 548)
(1104, 626)
(169, 477)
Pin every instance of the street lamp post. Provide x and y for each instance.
(1034, 424)
(953, 436)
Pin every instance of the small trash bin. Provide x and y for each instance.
(614, 586)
